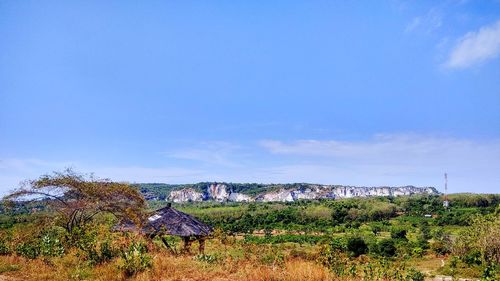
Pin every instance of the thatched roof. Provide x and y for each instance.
(170, 221)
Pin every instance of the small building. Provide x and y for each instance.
(446, 203)
(170, 221)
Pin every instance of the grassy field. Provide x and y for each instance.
(355, 239)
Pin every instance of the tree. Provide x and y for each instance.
(356, 246)
(387, 248)
(376, 228)
(482, 237)
(78, 199)
(398, 233)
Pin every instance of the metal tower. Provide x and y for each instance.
(446, 203)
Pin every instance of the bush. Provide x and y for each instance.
(28, 249)
(356, 246)
(387, 248)
(418, 252)
(135, 259)
(376, 229)
(207, 258)
(51, 245)
(398, 233)
(4, 248)
(95, 248)
(415, 275)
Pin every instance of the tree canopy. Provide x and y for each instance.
(78, 198)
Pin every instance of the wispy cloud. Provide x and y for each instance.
(388, 148)
(15, 170)
(391, 159)
(384, 159)
(151, 174)
(429, 22)
(476, 47)
(213, 152)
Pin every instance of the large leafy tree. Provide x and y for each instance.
(78, 199)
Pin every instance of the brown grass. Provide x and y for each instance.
(165, 267)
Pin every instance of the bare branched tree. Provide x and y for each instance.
(78, 198)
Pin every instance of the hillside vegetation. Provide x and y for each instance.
(381, 238)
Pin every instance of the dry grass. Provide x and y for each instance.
(165, 267)
(238, 261)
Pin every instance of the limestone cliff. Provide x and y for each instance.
(222, 192)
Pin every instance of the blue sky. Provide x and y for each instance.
(335, 92)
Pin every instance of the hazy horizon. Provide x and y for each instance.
(385, 93)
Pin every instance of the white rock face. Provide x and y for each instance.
(185, 195)
(218, 192)
(306, 194)
(221, 193)
(282, 195)
(239, 197)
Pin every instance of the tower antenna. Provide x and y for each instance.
(446, 203)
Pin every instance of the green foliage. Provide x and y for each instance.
(4, 248)
(415, 275)
(207, 258)
(9, 268)
(376, 228)
(135, 259)
(273, 257)
(398, 233)
(356, 246)
(387, 248)
(28, 249)
(283, 238)
(95, 248)
(480, 241)
(357, 210)
(51, 245)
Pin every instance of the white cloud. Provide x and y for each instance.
(14, 171)
(149, 174)
(392, 160)
(212, 153)
(476, 47)
(381, 160)
(427, 23)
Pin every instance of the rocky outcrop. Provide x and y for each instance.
(185, 195)
(220, 192)
(239, 197)
(217, 192)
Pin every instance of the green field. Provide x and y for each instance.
(381, 238)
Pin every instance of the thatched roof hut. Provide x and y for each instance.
(170, 221)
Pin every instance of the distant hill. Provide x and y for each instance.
(246, 192)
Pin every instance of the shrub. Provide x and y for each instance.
(206, 258)
(398, 233)
(356, 246)
(4, 248)
(387, 248)
(95, 248)
(418, 252)
(337, 244)
(376, 229)
(472, 258)
(135, 259)
(415, 275)
(28, 249)
(51, 245)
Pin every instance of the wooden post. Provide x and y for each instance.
(187, 244)
(169, 247)
(201, 248)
